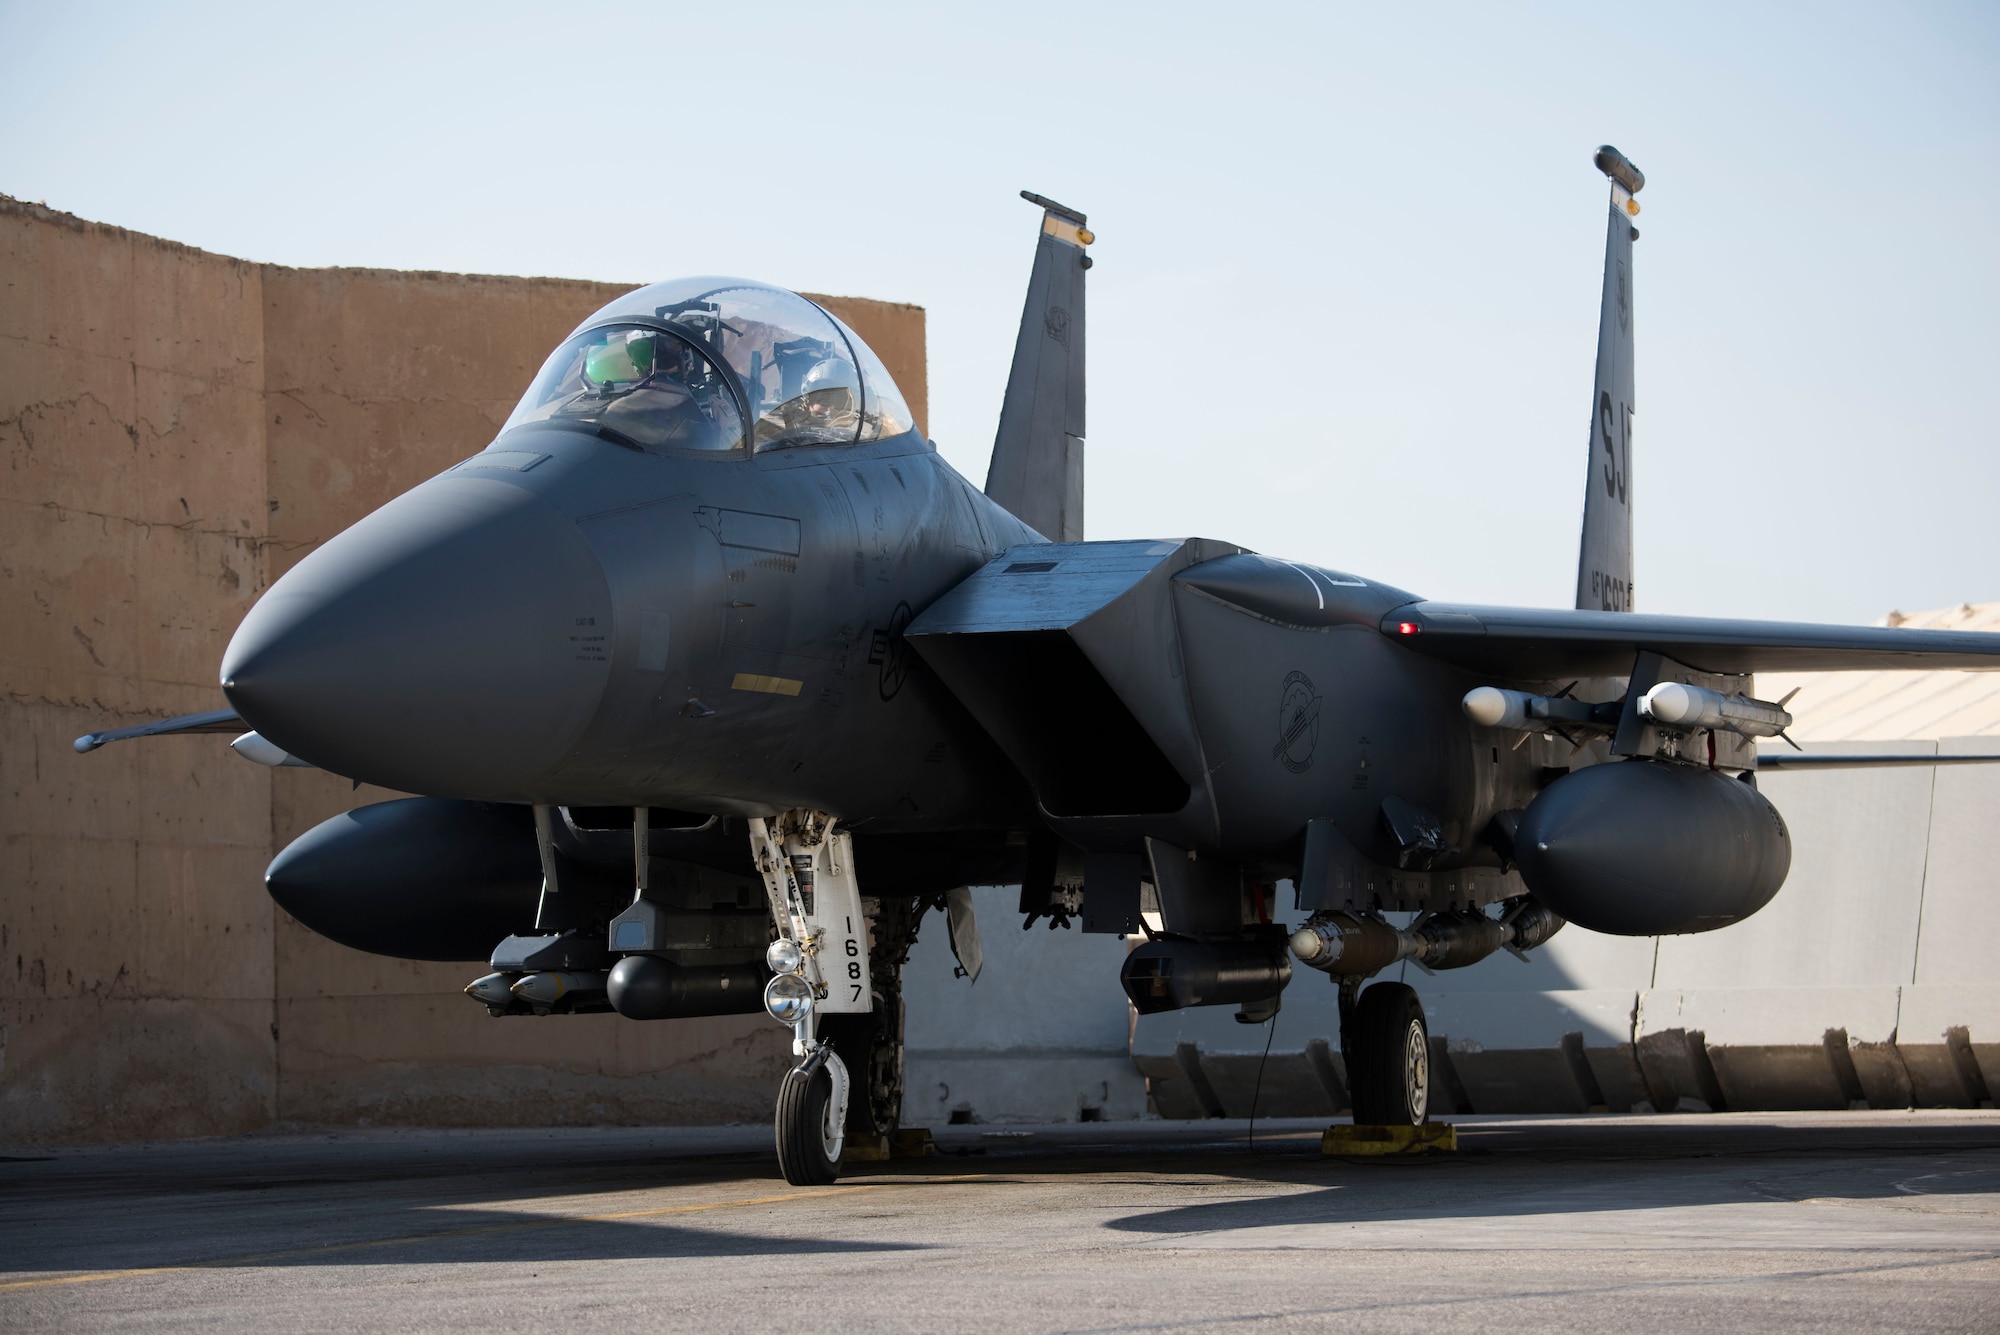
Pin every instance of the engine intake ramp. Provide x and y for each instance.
(1057, 650)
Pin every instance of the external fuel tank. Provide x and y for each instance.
(1650, 848)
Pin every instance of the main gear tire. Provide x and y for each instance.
(1390, 1069)
(809, 1143)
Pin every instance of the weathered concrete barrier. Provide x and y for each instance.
(1042, 1036)
(1870, 981)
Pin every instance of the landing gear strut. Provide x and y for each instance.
(873, 1043)
(820, 964)
(1386, 1044)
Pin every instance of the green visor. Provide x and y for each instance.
(625, 358)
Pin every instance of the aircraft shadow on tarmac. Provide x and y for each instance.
(421, 1238)
(1378, 1196)
(253, 1220)
(515, 1240)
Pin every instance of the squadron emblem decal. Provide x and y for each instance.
(891, 652)
(1298, 723)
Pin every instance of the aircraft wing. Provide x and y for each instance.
(214, 720)
(1772, 758)
(1531, 643)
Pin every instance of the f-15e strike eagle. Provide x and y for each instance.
(716, 678)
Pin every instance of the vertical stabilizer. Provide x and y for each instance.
(1604, 565)
(1037, 468)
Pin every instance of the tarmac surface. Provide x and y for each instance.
(1810, 1221)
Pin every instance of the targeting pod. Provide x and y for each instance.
(646, 987)
(1171, 973)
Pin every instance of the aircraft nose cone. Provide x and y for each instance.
(453, 643)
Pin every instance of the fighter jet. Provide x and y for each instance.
(715, 678)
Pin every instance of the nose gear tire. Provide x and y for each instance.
(1389, 1071)
(808, 1144)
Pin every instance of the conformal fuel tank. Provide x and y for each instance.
(1646, 848)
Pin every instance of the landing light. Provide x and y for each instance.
(789, 998)
(784, 956)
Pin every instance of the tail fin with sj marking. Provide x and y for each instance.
(1604, 564)
(1037, 468)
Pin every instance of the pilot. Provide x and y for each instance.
(668, 399)
(826, 406)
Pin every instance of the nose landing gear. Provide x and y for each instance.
(820, 966)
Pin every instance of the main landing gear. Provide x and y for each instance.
(819, 964)
(1386, 1045)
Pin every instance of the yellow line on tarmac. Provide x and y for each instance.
(472, 1231)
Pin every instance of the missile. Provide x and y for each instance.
(1671, 704)
(1492, 707)
(1685, 708)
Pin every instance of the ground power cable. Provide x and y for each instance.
(1257, 1089)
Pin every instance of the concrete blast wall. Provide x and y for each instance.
(180, 428)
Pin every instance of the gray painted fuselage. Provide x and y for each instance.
(616, 627)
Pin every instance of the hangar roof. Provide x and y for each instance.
(1893, 706)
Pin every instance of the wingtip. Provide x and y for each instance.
(87, 743)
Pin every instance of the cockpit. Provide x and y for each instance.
(685, 364)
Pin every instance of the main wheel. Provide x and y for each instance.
(1390, 1072)
(808, 1141)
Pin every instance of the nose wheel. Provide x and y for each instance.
(1387, 1046)
(811, 1121)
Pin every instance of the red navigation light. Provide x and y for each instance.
(1407, 628)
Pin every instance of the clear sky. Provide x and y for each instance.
(1347, 273)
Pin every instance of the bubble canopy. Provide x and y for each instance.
(680, 365)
